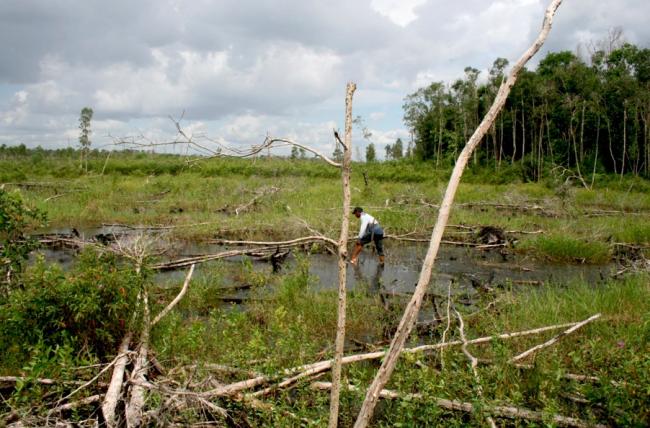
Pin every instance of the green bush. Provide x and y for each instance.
(89, 307)
(15, 219)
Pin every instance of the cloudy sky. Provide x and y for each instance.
(237, 70)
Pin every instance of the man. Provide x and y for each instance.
(369, 230)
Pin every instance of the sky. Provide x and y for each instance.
(232, 72)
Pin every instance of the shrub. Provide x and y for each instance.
(89, 307)
(15, 218)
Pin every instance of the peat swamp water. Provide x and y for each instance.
(468, 270)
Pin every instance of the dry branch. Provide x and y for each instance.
(246, 206)
(283, 244)
(473, 362)
(11, 381)
(278, 142)
(177, 299)
(266, 248)
(410, 314)
(73, 405)
(459, 406)
(554, 339)
(301, 372)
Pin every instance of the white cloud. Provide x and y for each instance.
(401, 12)
(18, 110)
(240, 69)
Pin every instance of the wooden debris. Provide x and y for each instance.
(509, 412)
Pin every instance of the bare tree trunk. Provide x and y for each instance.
(646, 140)
(548, 131)
(136, 402)
(501, 143)
(582, 131)
(514, 135)
(413, 307)
(523, 132)
(439, 140)
(343, 252)
(624, 138)
(593, 173)
(540, 149)
(637, 146)
(115, 387)
(575, 147)
(609, 142)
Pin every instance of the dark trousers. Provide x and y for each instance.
(377, 238)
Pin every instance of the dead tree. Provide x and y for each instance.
(342, 262)
(413, 307)
(198, 143)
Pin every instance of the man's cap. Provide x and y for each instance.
(357, 210)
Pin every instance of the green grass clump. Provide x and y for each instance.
(560, 248)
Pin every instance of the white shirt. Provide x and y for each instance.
(366, 219)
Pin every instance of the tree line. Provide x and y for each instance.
(583, 116)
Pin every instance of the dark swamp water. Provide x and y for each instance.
(465, 272)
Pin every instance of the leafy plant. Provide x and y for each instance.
(89, 308)
(15, 246)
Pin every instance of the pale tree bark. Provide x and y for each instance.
(342, 262)
(115, 387)
(413, 307)
(177, 299)
(138, 376)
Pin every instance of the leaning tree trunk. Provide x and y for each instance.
(342, 244)
(413, 307)
(136, 403)
(114, 390)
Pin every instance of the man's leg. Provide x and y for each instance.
(379, 245)
(355, 253)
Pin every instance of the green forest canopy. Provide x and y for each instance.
(566, 113)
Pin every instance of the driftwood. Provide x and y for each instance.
(459, 406)
(411, 312)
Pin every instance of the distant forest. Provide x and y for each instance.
(568, 113)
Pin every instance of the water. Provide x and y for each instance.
(464, 271)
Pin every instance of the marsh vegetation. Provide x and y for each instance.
(241, 321)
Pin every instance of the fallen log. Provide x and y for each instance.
(300, 372)
(509, 412)
(554, 339)
(114, 390)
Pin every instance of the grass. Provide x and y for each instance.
(288, 323)
(189, 198)
(295, 326)
(566, 249)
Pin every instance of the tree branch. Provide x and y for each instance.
(410, 314)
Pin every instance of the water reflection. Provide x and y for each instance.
(374, 282)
